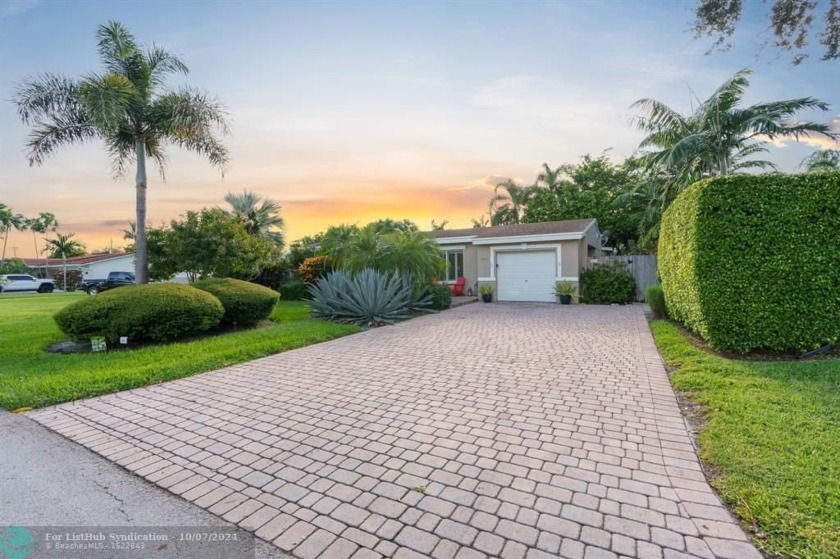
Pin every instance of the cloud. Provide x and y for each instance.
(821, 142)
(815, 140)
(11, 8)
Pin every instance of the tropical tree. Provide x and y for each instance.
(508, 207)
(720, 136)
(9, 221)
(208, 243)
(388, 225)
(128, 107)
(261, 216)
(821, 160)
(64, 245)
(481, 222)
(439, 226)
(130, 235)
(335, 242)
(44, 223)
(791, 21)
(550, 178)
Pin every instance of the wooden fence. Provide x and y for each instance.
(641, 266)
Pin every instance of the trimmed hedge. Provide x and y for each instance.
(655, 299)
(752, 262)
(156, 312)
(607, 283)
(245, 303)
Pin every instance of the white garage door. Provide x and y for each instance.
(526, 276)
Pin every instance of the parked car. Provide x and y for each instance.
(25, 282)
(115, 279)
(112, 276)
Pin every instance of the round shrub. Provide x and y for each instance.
(656, 300)
(608, 283)
(441, 297)
(245, 303)
(156, 312)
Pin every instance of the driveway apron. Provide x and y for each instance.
(501, 430)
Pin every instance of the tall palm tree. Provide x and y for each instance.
(508, 208)
(260, 215)
(42, 224)
(9, 221)
(822, 160)
(550, 178)
(720, 136)
(127, 107)
(63, 245)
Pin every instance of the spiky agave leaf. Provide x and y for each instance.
(367, 298)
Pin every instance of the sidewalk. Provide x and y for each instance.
(48, 480)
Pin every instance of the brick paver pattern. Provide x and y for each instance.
(502, 430)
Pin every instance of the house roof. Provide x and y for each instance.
(518, 229)
(74, 260)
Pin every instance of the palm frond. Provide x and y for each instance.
(189, 112)
(118, 49)
(161, 62)
(659, 116)
(60, 130)
(106, 99)
(46, 96)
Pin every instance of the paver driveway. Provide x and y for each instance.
(489, 430)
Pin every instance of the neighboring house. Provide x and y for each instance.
(94, 266)
(522, 262)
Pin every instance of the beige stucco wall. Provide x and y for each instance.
(574, 257)
(471, 268)
(569, 265)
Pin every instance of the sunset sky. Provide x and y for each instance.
(351, 111)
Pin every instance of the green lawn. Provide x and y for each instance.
(29, 376)
(773, 432)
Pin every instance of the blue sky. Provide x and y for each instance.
(351, 111)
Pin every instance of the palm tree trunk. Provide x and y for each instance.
(141, 254)
(5, 241)
(64, 259)
(35, 240)
(723, 164)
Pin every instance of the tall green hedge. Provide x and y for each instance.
(753, 262)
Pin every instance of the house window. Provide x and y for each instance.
(454, 264)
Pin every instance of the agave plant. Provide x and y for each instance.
(367, 298)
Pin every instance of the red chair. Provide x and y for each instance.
(458, 286)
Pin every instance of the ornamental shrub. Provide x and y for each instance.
(312, 268)
(752, 262)
(156, 312)
(607, 283)
(245, 303)
(655, 299)
(366, 298)
(74, 279)
(293, 290)
(441, 297)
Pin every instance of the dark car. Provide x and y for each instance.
(115, 279)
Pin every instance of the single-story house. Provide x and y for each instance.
(522, 262)
(93, 266)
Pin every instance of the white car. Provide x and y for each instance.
(24, 282)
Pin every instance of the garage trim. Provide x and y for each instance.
(523, 248)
